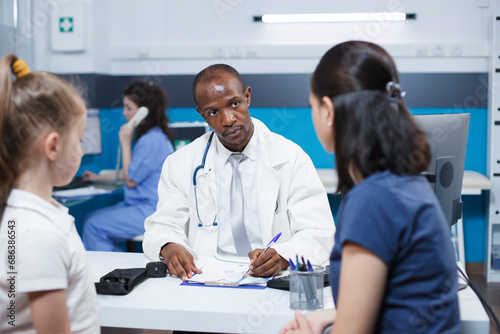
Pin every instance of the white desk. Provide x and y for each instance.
(162, 303)
(473, 182)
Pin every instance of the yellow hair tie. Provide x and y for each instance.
(20, 68)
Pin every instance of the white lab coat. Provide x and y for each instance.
(286, 176)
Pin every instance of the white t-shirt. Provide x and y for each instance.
(40, 250)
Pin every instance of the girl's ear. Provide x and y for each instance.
(327, 110)
(51, 145)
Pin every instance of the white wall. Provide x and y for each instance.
(10, 39)
(7, 27)
(6, 13)
(182, 37)
(94, 59)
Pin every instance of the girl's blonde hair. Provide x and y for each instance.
(31, 103)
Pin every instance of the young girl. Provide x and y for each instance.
(105, 228)
(44, 273)
(392, 269)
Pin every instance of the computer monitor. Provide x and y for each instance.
(186, 132)
(447, 136)
(92, 141)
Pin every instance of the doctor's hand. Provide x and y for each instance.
(269, 264)
(179, 261)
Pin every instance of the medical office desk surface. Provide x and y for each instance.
(162, 303)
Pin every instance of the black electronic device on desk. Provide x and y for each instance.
(79, 191)
(283, 283)
(76, 182)
(123, 281)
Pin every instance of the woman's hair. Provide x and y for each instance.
(29, 105)
(152, 96)
(373, 129)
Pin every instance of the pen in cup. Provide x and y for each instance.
(309, 266)
(265, 250)
(315, 299)
(298, 280)
(303, 266)
(308, 281)
(306, 284)
(292, 265)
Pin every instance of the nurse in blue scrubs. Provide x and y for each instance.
(141, 169)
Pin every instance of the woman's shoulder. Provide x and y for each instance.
(153, 136)
(389, 192)
(372, 188)
(391, 184)
(154, 132)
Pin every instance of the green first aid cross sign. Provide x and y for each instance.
(65, 24)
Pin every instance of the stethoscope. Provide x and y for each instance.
(201, 166)
(200, 223)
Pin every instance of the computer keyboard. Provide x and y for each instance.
(77, 182)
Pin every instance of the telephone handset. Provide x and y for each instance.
(141, 114)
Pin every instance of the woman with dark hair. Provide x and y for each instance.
(392, 268)
(141, 169)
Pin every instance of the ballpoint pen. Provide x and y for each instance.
(298, 277)
(314, 298)
(303, 266)
(265, 250)
(309, 266)
(292, 265)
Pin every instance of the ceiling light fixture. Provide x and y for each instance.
(338, 17)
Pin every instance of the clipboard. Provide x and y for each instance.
(224, 285)
(227, 273)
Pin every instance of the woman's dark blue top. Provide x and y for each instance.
(398, 218)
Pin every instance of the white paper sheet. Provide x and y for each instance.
(77, 193)
(227, 271)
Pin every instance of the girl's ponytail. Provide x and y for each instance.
(8, 170)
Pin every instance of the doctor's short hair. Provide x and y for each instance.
(213, 72)
(373, 129)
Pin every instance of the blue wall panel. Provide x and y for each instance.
(296, 125)
(111, 121)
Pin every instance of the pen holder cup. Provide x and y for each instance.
(306, 289)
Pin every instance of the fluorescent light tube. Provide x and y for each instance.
(337, 17)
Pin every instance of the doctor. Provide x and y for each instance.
(208, 203)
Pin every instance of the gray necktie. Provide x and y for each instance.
(236, 213)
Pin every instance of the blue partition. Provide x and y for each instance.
(296, 125)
